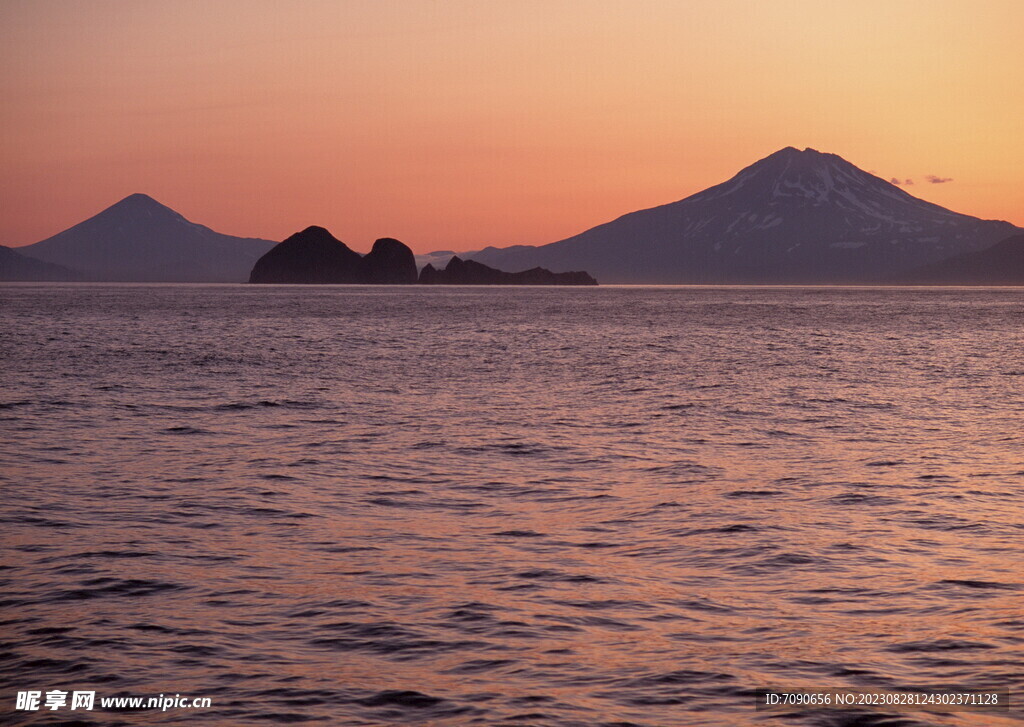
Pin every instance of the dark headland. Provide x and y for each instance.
(1001, 264)
(315, 256)
(470, 272)
(15, 267)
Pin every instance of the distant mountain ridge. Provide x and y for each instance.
(140, 240)
(792, 217)
(15, 267)
(1001, 264)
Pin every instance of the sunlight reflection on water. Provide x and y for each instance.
(494, 506)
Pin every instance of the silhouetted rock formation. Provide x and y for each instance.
(315, 256)
(389, 262)
(138, 239)
(17, 267)
(470, 272)
(1001, 264)
(311, 256)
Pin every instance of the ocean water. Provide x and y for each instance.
(494, 506)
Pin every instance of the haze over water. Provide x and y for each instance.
(492, 506)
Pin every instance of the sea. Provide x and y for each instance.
(514, 506)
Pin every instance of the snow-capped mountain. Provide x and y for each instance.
(139, 239)
(793, 217)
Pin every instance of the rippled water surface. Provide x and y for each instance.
(466, 506)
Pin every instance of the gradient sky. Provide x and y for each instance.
(458, 124)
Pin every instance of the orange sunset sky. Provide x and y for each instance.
(457, 124)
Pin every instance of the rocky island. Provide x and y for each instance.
(470, 272)
(315, 256)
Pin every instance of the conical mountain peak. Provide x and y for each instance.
(792, 151)
(810, 177)
(792, 159)
(139, 199)
(795, 216)
(140, 205)
(139, 239)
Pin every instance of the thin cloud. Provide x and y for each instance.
(900, 182)
(938, 180)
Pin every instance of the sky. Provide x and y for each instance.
(458, 124)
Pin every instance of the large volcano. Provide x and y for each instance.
(793, 217)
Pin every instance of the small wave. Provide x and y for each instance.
(980, 585)
(732, 529)
(387, 639)
(544, 574)
(938, 645)
(266, 404)
(107, 587)
(428, 445)
(109, 554)
(14, 404)
(479, 666)
(780, 561)
(186, 430)
(405, 698)
(858, 499)
(512, 449)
